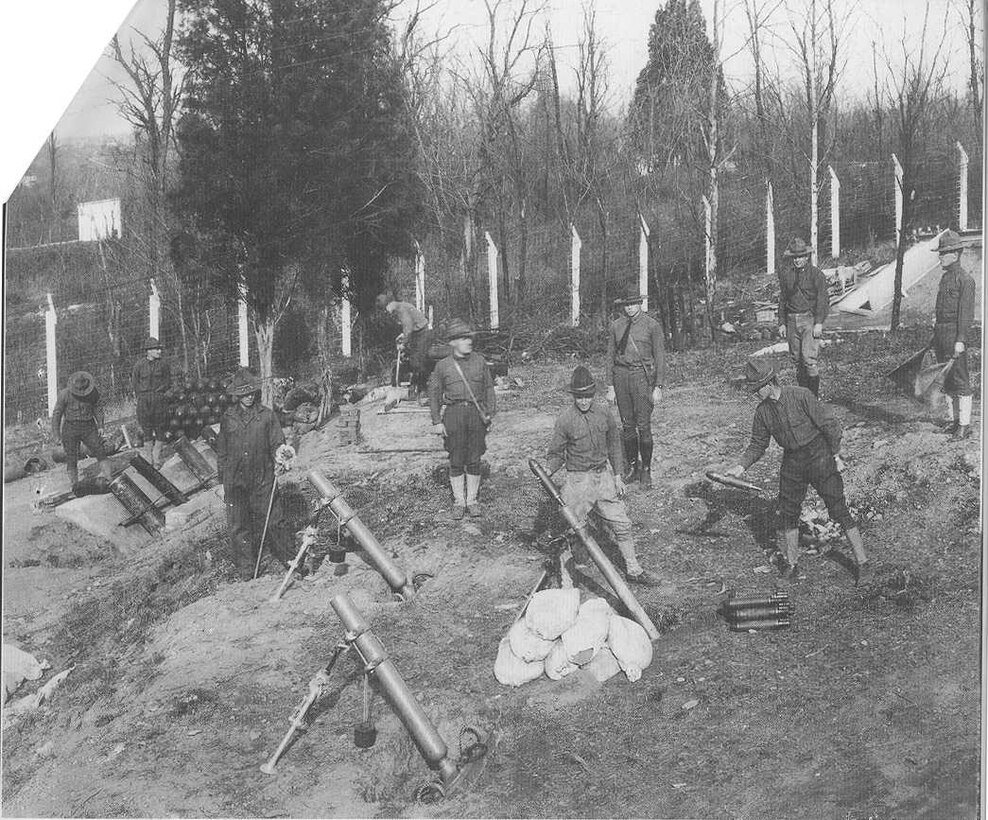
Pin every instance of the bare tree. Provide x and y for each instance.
(915, 84)
(150, 102)
(969, 10)
(759, 15)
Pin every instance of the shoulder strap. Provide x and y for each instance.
(623, 344)
(466, 384)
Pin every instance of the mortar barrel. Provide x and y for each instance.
(137, 503)
(428, 740)
(395, 576)
(157, 480)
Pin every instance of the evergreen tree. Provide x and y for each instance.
(296, 161)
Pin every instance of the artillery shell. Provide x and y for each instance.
(760, 623)
(755, 612)
(757, 600)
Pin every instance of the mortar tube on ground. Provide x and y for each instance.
(157, 480)
(763, 623)
(396, 577)
(607, 569)
(378, 664)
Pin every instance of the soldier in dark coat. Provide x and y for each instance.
(803, 306)
(247, 448)
(954, 314)
(636, 371)
(78, 418)
(415, 338)
(462, 403)
(150, 379)
(810, 437)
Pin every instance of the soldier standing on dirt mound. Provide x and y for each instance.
(636, 371)
(809, 436)
(415, 338)
(803, 306)
(585, 439)
(150, 379)
(954, 313)
(79, 418)
(249, 443)
(461, 399)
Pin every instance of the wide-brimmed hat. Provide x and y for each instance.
(458, 329)
(81, 384)
(582, 382)
(758, 373)
(797, 247)
(630, 295)
(949, 242)
(152, 344)
(244, 383)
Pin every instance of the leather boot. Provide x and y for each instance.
(813, 382)
(790, 546)
(865, 572)
(801, 376)
(646, 465)
(631, 472)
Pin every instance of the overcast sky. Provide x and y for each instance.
(72, 43)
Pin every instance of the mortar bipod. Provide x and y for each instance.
(296, 723)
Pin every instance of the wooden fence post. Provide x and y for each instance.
(962, 188)
(643, 260)
(769, 229)
(834, 213)
(897, 168)
(575, 246)
(154, 311)
(495, 321)
(51, 354)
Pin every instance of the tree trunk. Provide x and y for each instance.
(264, 332)
(900, 251)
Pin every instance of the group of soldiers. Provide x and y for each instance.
(600, 460)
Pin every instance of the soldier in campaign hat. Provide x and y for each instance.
(954, 314)
(810, 438)
(636, 370)
(150, 379)
(804, 302)
(462, 403)
(78, 418)
(585, 440)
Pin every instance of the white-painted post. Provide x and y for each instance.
(643, 260)
(154, 312)
(243, 328)
(814, 204)
(834, 213)
(430, 317)
(346, 318)
(51, 356)
(492, 279)
(708, 245)
(575, 246)
(898, 198)
(419, 277)
(962, 188)
(769, 229)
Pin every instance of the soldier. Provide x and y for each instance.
(809, 436)
(636, 371)
(954, 313)
(803, 306)
(79, 417)
(415, 338)
(150, 379)
(585, 440)
(249, 444)
(461, 399)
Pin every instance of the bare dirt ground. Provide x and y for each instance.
(868, 706)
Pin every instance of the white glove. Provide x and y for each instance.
(817, 331)
(782, 331)
(841, 465)
(737, 471)
(958, 348)
(656, 395)
(611, 395)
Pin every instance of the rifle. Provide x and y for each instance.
(597, 554)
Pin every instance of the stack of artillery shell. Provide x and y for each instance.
(770, 611)
(349, 424)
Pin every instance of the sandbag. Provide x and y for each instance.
(630, 644)
(19, 666)
(512, 670)
(588, 634)
(604, 665)
(526, 644)
(13, 472)
(552, 611)
(557, 664)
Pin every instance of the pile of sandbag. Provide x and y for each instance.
(559, 635)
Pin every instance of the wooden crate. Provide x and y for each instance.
(349, 424)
